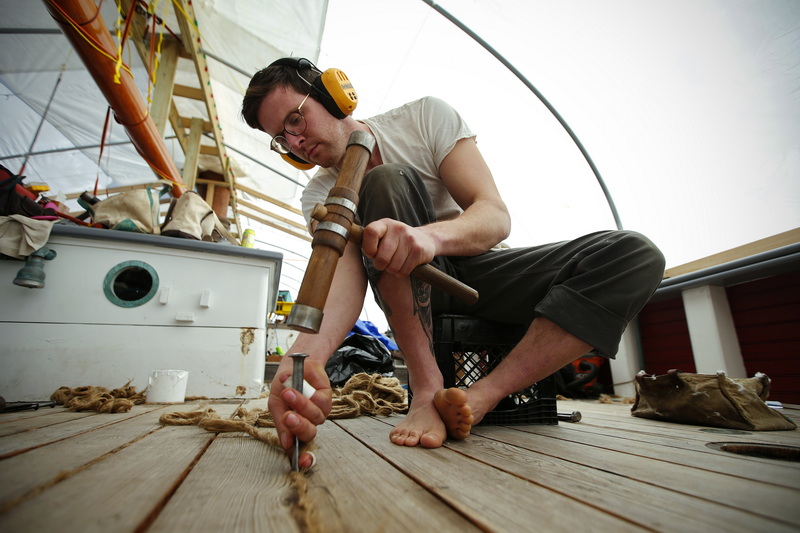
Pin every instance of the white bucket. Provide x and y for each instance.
(167, 386)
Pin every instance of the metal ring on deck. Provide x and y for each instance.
(344, 202)
(335, 228)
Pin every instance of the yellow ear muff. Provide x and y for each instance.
(296, 162)
(339, 87)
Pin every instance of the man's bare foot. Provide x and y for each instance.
(422, 426)
(454, 412)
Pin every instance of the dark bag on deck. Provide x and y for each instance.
(708, 400)
(359, 353)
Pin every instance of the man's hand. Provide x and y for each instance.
(397, 248)
(293, 413)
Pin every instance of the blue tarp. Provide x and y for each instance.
(365, 327)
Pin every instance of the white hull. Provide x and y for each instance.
(207, 314)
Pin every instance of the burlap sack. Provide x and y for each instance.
(708, 400)
(190, 217)
(136, 210)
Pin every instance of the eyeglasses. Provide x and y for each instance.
(293, 124)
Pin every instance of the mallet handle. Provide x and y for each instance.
(427, 273)
(430, 274)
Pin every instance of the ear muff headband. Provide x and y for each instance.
(331, 88)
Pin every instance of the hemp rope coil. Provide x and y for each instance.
(99, 399)
(363, 394)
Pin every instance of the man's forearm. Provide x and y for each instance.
(481, 226)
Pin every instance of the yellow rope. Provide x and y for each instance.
(86, 37)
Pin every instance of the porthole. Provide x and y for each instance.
(130, 284)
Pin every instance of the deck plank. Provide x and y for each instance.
(611, 492)
(686, 452)
(37, 468)
(125, 472)
(489, 497)
(586, 470)
(239, 484)
(115, 491)
(44, 431)
(618, 416)
(18, 422)
(391, 501)
(775, 501)
(687, 445)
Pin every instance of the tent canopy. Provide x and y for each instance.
(690, 109)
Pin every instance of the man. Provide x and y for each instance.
(428, 196)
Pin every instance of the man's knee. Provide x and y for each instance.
(397, 192)
(386, 180)
(642, 252)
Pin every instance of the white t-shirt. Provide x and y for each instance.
(419, 134)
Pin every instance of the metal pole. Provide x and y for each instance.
(74, 148)
(253, 159)
(41, 122)
(227, 63)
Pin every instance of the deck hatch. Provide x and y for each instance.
(757, 449)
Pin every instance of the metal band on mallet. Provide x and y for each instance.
(334, 227)
(344, 202)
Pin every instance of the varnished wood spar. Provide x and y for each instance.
(328, 243)
(427, 273)
(123, 96)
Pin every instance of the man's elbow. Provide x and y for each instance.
(503, 223)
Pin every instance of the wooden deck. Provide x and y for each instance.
(66, 471)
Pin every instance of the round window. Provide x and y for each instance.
(130, 284)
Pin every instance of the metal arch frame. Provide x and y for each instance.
(540, 96)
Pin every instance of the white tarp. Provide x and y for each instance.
(690, 109)
(247, 33)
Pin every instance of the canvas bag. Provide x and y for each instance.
(708, 400)
(190, 217)
(136, 211)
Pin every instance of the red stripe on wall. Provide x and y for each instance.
(766, 314)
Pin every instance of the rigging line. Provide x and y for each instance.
(82, 33)
(540, 96)
(301, 256)
(230, 66)
(227, 63)
(73, 149)
(31, 31)
(405, 60)
(44, 117)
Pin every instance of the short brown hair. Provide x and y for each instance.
(268, 79)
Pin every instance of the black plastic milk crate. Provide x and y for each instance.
(468, 348)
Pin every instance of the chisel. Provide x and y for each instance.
(298, 361)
